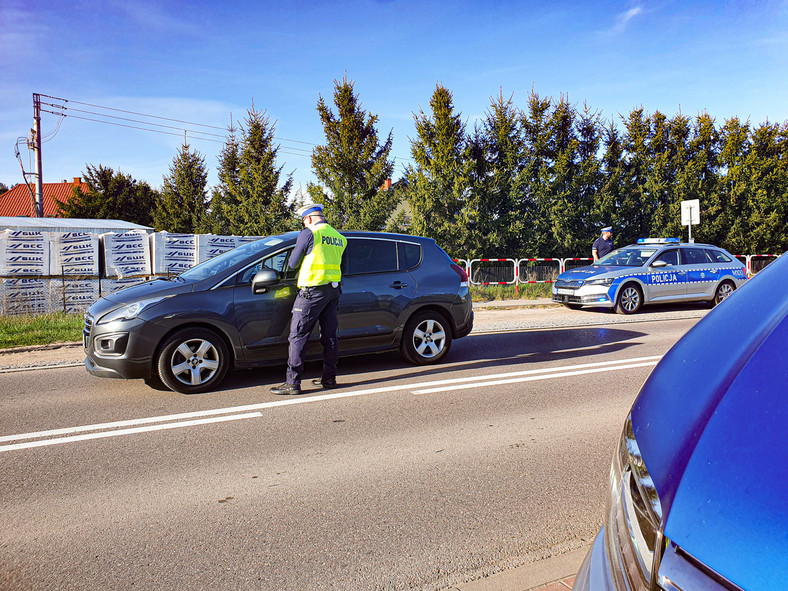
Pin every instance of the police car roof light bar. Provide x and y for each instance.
(659, 240)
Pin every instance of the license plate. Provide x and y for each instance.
(560, 291)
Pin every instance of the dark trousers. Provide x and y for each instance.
(312, 305)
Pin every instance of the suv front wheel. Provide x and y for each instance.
(193, 360)
(427, 338)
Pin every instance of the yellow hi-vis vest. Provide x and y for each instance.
(321, 266)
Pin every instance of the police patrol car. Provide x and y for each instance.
(655, 270)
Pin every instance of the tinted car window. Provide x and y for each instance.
(671, 257)
(277, 262)
(409, 255)
(367, 255)
(694, 256)
(717, 257)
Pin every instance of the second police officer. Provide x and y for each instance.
(321, 247)
(604, 244)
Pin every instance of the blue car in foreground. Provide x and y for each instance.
(699, 483)
(653, 271)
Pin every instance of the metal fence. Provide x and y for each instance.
(506, 271)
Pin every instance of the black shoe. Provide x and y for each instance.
(286, 389)
(325, 384)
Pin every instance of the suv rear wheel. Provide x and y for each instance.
(427, 338)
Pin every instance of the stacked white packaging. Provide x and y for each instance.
(72, 295)
(74, 253)
(210, 245)
(126, 254)
(24, 262)
(24, 295)
(24, 253)
(173, 254)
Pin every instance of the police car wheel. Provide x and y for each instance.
(724, 290)
(427, 338)
(630, 299)
(192, 360)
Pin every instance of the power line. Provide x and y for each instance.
(194, 133)
(282, 139)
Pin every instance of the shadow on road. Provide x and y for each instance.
(474, 352)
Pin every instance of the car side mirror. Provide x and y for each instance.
(659, 264)
(264, 279)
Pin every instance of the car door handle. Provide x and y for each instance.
(398, 285)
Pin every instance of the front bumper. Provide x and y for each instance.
(594, 573)
(120, 349)
(587, 295)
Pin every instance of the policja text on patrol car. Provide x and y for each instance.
(318, 298)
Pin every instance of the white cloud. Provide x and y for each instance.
(623, 19)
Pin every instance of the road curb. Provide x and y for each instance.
(556, 572)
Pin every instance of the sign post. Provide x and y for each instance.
(690, 214)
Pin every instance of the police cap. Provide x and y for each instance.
(607, 229)
(310, 208)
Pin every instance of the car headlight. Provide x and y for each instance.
(129, 311)
(633, 533)
(606, 282)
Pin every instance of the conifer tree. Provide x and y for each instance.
(222, 197)
(698, 178)
(605, 209)
(183, 197)
(440, 182)
(767, 200)
(353, 166)
(499, 182)
(255, 204)
(589, 181)
(635, 208)
(566, 210)
(537, 235)
(111, 196)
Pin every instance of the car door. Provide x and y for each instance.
(263, 320)
(701, 276)
(375, 293)
(668, 282)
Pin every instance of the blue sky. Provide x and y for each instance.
(204, 62)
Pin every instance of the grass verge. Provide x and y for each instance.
(43, 329)
(528, 291)
(58, 327)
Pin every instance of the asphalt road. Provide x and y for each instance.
(405, 478)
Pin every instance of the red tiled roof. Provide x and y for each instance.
(18, 202)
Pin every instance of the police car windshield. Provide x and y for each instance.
(631, 256)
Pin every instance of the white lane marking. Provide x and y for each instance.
(532, 378)
(456, 383)
(86, 436)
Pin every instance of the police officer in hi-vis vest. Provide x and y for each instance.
(318, 298)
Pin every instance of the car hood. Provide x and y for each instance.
(149, 289)
(586, 273)
(711, 425)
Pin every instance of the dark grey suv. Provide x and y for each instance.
(233, 311)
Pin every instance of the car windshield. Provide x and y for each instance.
(228, 259)
(626, 257)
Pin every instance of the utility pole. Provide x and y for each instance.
(37, 149)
